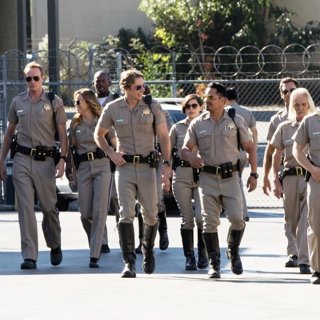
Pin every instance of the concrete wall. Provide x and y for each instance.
(306, 10)
(89, 20)
(8, 25)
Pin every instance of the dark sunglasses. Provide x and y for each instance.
(138, 88)
(35, 78)
(77, 102)
(285, 91)
(193, 106)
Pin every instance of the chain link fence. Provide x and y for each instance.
(254, 72)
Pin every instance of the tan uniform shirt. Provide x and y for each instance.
(282, 139)
(246, 114)
(217, 142)
(178, 133)
(36, 125)
(275, 120)
(134, 128)
(309, 133)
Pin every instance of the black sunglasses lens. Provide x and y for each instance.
(35, 78)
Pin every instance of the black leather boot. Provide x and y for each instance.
(211, 241)
(149, 234)
(234, 239)
(126, 235)
(140, 225)
(163, 231)
(187, 242)
(203, 261)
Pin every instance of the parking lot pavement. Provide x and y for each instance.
(266, 290)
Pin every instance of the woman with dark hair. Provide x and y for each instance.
(185, 187)
(93, 170)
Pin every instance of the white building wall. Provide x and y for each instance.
(89, 20)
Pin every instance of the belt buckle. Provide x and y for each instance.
(136, 159)
(90, 156)
(218, 171)
(33, 152)
(299, 171)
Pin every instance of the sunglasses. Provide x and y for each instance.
(286, 91)
(138, 88)
(193, 106)
(35, 78)
(77, 102)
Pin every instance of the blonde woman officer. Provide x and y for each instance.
(94, 175)
(185, 188)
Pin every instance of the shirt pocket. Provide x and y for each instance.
(204, 139)
(315, 143)
(122, 128)
(146, 123)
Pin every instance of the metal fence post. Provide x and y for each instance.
(174, 85)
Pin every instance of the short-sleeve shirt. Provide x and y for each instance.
(309, 133)
(282, 139)
(246, 114)
(34, 120)
(83, 136)
(217, 141)
(133, 127)
(275, 120)
(178, 133)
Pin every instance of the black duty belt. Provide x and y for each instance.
(217, 170)
(295, 171)
(136, 159)
(183, 163)
(40, 150)
(89, 156)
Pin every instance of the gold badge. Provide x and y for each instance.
(231, 126)
(46, 108)
(146, 112)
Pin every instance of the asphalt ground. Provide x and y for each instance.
(265, 290)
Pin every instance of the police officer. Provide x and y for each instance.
(286, 87)
(292, 186)
(185, 187)
(36, 119)
(308, 133)
(136, 124)
(215, 133)
(101, 84)
(93, 170)
(250, 121)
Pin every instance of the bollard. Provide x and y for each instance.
(9, 188)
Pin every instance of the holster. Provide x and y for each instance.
(13, 146)
(154, 159)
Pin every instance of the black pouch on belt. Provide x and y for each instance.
(40, 153)
(226, 170)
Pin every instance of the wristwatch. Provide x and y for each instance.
(167, 162)
(254, 174)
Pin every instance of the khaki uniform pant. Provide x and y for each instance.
(216, 193)
(314, 223)
(32, 178)
(137, 182)
(295, 214)
(94, 181)
(185, 189)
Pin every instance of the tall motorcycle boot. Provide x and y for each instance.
(126, 235)
(140, 226)
(187, 242)
(163, 231)
(149, 235)
(234, 239)
(203, 261)
(211, 241)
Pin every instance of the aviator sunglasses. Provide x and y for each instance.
(138, 88)
(35, 78)
(285, 91)
(193, 106)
